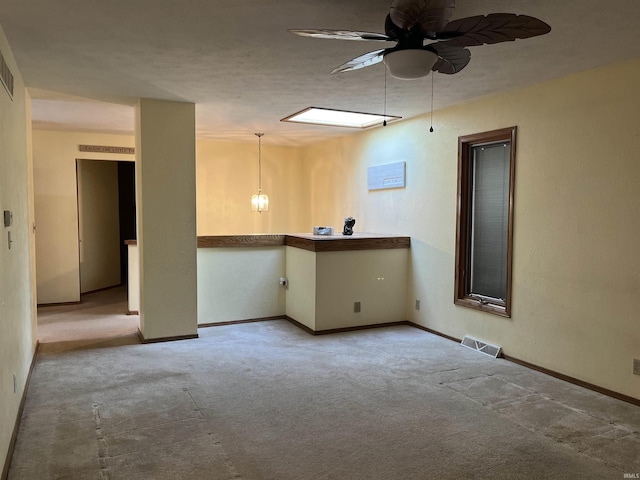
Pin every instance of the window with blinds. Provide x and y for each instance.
(484, 225)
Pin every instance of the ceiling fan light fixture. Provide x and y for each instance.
(410, 63)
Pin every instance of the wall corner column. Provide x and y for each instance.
(166, 209)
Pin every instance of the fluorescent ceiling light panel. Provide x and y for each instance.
(338, 118)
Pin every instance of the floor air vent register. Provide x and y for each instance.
(480, 346)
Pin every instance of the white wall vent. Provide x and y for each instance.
(6, 76)
(480, 346)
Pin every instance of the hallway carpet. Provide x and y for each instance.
(99, 319)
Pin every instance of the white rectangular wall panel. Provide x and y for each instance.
(390, 175)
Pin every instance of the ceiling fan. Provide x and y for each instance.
(411, 23)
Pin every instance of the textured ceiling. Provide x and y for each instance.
(86, 61)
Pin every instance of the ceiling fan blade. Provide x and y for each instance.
(362, 61)
(493, 28)
(450, 59)
(341, 35)
(431, 15)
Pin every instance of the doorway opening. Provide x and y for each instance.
(106, 218)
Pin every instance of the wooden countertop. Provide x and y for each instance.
(339, 243)
(221, 241)
(310, 242)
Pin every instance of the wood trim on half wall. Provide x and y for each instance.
(59, 304)
(165, 339)
(222, 241)
(239, 322)
(341, 244)
(344, 329)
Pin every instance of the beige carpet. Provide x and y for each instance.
(268, 401)
(100, 319)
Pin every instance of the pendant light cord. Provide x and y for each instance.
(384, 123)
(259, 135)
(431, 127)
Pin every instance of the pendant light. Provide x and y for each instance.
(260, 202)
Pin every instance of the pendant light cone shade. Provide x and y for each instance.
(260, 201)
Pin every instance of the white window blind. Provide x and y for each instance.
(489, 221)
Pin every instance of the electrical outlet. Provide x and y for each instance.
(356, 307)
(636, 366)
(417, 304)
(15, 384)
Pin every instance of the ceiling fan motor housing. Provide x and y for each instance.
(408, 64)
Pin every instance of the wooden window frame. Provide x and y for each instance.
(465, 145)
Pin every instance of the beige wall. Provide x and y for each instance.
(166, 211)
(576, 277)
(576, 294)
(375, 278)
(17, 309)
(301, 293)
(323, 287)
(99, 224)
(56, 207)
(133, 279)
(240, 283)
(228, 176)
